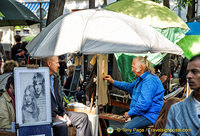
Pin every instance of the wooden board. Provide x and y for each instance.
(110, 116)
(6, 133)
(102, 69)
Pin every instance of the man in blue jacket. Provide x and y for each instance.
(147, 96)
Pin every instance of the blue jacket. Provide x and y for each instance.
(147, 96)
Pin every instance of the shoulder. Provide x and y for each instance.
(7, 96)
(151, 78)
(2, 100)
(177, 106)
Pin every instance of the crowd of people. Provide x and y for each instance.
(147, 107)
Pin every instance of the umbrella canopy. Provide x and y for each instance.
(191, 42)
(98, 31)
(16, 14)
(148, 11)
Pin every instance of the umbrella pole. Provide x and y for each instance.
(40, 16)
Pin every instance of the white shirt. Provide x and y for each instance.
(197, 107)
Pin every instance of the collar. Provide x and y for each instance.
(7, 96)
(144, 74)
(52, 76)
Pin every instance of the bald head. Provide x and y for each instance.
(52, 63)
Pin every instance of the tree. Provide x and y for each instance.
(56, 8)
(192, 8)
(192, 13)
(91, 4)
(166, 3)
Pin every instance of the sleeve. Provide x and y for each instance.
(144, 101)
(4, 116)
(170, 123)
(128, 87)
(13, 53)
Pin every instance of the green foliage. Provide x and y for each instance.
(183, 3)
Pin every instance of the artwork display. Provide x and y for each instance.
(32, 93)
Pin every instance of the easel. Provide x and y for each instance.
(102, 68)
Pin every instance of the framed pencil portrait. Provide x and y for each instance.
(32, 96)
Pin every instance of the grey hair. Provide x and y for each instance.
(147, 64)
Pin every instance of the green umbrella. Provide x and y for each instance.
(190, 44)
(160, 17)
(148, 11)
(16, 14)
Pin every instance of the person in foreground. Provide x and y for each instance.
(80, 120)
(184, 117)
(147, 96)
(7, 104)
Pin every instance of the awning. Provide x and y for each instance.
(34, 6)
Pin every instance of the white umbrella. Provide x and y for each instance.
(99, 31)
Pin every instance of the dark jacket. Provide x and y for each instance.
(60, 110)
(15, 50)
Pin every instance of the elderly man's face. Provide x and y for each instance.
(193, 75)
(136, 67)
(53, 64)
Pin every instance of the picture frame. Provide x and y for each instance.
(32, 96)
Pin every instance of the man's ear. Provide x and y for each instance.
(138, 69)
(142, 68)
(48, 63)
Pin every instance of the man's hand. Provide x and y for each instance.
(109, 79)
(64, 118)
(60, 118)
(126, 115)
(68, 120)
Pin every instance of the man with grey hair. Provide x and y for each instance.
(147, 96)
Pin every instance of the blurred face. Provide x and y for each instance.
(53, 64)
(193, 75)
(136, 67)
(12, 90)
(38, 88)
(28, 97)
